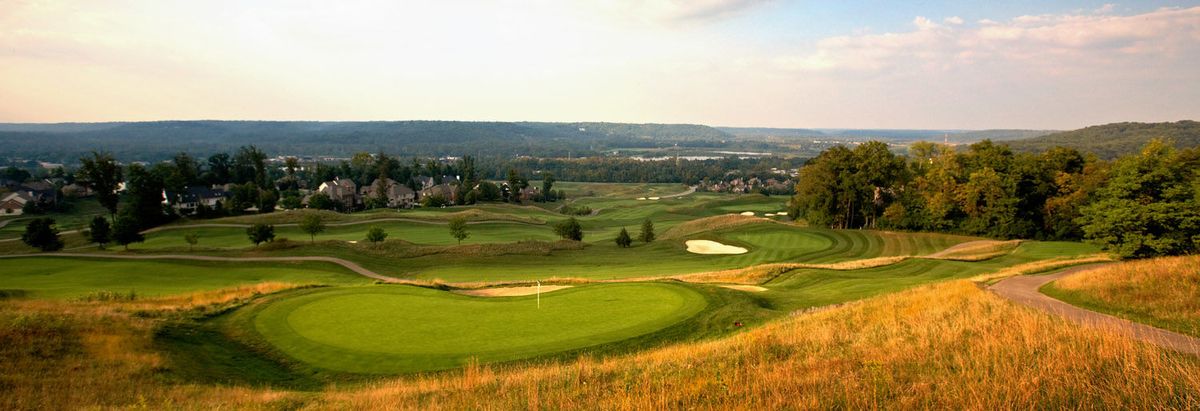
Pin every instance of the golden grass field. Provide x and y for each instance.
(949, 345)
(1162, 291)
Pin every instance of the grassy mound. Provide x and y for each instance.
(1163, 292)
(77, 278)
(404, 329)
(713, 223)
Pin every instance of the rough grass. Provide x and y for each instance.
(1164, 292)
(947, 346)
(976, 250)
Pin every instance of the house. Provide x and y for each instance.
(445, 191)
(424, 182)
(191, 198)
(398, 195)
(529, 193)
(14, 203)
(40, 191)
(341, 190)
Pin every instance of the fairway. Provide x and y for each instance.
(395, 329)
(73, 277)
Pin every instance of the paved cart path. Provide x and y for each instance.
(1023, 289)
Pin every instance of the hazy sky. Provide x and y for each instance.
(850, 64)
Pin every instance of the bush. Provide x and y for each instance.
(569, 229)
(575, 210)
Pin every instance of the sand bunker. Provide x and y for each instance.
(769, 215)
(750, 288)
(511, 291)
(712, 247)
(748, 213)
(352, 241)
(654, 198)
(641, 198)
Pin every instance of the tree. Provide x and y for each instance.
(220, 169)
(102, 175)
(41, 233)
(312, 225)
(647, 234)
(126, 231)
(321, 201)
(489, 191)
(1148, 207)
(250, 166)
(513, 195)
(261, 233)
(458, 229)
(547, 186)
(569, 229)
(99, 231)
(192, 239)
(376, 235)
(623, 239)
(145, 197)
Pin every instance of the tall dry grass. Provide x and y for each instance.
(1164, 289)
(949, 346)
(1041, 266)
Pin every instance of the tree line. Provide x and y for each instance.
(1138, 205)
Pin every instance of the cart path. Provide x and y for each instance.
(358, 269)
(1023, 289)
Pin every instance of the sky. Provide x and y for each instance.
(805, 64)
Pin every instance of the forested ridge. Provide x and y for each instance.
(158, 140)
(1110, 141)
(1143, 204)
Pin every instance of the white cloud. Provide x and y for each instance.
(954, 20)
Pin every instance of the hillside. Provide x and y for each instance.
(1112, 140)
(958, 136)
(161, 139)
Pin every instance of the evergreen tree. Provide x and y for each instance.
(647, 234)
(41, 233)
(99, 231)
(126, 231)
(623, 239)
(261, 233)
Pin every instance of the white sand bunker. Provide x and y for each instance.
(641, 198)
(749, 288)
(769, 214)
(511, 291)
(712, 247)
(748, 213)
(654, 198)
(352, 241)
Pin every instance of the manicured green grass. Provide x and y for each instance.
(421, 233)
(805, 288)
(49, 277)
(77, 217)
(396, 329)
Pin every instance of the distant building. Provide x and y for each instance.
(341, 190)
(190, 199)
(398, 195)
(14, 203)
(446, 191)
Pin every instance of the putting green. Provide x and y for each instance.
(396, 329)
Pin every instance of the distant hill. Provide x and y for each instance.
(160, 139)
(955, 136)
(1116, 139)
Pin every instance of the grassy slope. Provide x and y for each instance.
(1163, 292)
(73, 277)
(805, 288)
(78, 217)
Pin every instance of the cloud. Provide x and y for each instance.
(671, 12)
(955, 20)
(1067, 41)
